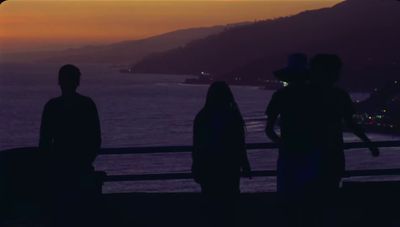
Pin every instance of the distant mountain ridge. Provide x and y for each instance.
(365, 33)
(125, 52)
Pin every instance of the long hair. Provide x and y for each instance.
(220, 96)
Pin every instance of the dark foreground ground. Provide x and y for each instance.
(22, 192)
(361, 204)
(371, 204)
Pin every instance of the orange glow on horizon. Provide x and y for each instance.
(30, 25)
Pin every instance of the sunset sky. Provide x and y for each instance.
(45, 25)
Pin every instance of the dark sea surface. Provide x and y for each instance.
(148, 110)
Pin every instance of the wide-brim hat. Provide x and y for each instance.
(296, 70)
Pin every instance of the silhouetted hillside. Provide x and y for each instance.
(122, 52)
(365, 33)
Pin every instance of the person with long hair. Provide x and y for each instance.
(219, 153)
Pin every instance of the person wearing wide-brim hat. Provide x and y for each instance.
(296, 69)
(291, 105)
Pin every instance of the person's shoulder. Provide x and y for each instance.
(200, 115)
(340, 91)
(285, 93)
(280, 92)
(290, 89)
(53, 101)
(85, 99)
(199, 119)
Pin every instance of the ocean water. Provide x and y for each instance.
(148, 110)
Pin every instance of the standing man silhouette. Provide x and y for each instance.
(70, 139)
(332, 110)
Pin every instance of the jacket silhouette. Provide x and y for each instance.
(332, 111)
(70, 130)
(70, 139)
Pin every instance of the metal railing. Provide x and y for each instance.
(250, 148)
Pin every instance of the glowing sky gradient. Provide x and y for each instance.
(35, 25)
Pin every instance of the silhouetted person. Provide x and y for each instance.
(291, 105)
(332, 106)
(70, 140)
(296, 170)
(332, 109)
(219, 153)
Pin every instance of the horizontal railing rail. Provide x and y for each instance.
(261, 173)
(186, 149)
(250, 147)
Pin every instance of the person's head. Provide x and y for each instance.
(219, 95)
(325, 69)
(69, 78)
(296, 70)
